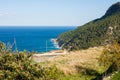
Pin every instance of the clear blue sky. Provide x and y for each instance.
(51, 12)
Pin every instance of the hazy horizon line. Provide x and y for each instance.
(35, 26)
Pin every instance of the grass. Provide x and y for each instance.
(75, 64)
(116, 76)
(84, 58)
(77, 77)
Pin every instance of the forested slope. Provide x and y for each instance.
(95, 33)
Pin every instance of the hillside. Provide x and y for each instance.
(98, 32)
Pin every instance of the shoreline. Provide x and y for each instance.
(47, 55)
(54, 41)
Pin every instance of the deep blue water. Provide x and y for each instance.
(31, 38)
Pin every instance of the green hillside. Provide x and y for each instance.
(95, 33)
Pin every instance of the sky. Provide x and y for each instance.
(51, 12)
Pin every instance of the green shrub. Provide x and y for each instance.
(2, 46)
(52, 73)
(111, 57)
(116, 76)
(18, 66)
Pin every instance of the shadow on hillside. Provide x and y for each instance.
(87, 71)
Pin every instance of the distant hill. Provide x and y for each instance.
(95, 33)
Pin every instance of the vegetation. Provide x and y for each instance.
(94, 33)
(79, 65)
(116, 76)
(18, 66)
(104, 31)
(91, 64)
(110, 59)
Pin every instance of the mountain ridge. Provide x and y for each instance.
(94, 33)
(113, 9)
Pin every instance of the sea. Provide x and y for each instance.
(32, 38)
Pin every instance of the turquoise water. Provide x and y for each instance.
(31, 38)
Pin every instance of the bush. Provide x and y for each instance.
(2, 46)
(116, 76)
(111, 57)
(18, 66)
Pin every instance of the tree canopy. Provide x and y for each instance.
(95, 33)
